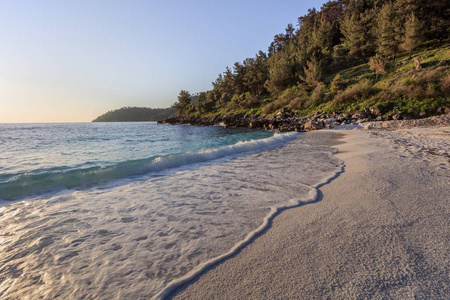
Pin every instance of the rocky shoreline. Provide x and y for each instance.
(287, 120)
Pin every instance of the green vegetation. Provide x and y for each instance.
(136, 114)
(347, 56)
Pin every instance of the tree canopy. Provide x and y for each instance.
(303, 58)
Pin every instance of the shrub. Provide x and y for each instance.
(243, 102)
(445, 84)
(427, 83)
(354, 92)
(434, 86)
(313, 73)
(318, 93)
(408, 81)
(379, 65)
(337, 84)
(269, 108)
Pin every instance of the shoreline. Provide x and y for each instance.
(374, 234)
(313, 197)
(139, 226)
(286, 120)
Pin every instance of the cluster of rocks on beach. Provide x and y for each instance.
(286, 120)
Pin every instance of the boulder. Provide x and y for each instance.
(359, 115)
(255, 124)
(375, 111)
(359, 121)
(299, 127)
(332, 125)
(329, 121)
(312, 125)
(397, 116)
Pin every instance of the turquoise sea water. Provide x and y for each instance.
(130, 210)
(39, 158)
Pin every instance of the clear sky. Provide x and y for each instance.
(70, 61)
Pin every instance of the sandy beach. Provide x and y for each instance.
(381, 230)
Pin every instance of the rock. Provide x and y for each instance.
(417, 65)
(375, 111)
(332, 125)
(330, 122)
(299, 127)
(285, 128)
(312, 125)
(342, 118)
(447, 110)
(279, 115)
(443, 110)
(284, 113)
(359, 115)
(359, 121)
(256, 124)
(271, 126)
(397, 116)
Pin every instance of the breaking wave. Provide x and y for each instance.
(59, 178)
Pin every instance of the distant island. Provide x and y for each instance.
(136, 114)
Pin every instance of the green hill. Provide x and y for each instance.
(404, 88)
(388, 55)
(136, 114)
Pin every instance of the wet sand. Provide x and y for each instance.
(380, 230)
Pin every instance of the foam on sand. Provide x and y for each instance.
(312, 197)
(146, 237)
(379, 232)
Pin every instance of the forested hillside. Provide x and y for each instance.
(136, 114)
(348, 55)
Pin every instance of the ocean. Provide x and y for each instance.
(133, 210)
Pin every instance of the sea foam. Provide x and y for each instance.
(55, 179)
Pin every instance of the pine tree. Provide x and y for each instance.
(184, 101)
(337, 84)
(434, 14)
(313, 73)
(321, 36)
(358, 36)
(353, 32)
(378, 64)
(388, 35)
(281, 73)
(256, 74)
(413, 34)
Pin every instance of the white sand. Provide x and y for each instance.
(381, 230)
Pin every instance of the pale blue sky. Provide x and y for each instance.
(74, 60)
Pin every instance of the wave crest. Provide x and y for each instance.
(21, 185)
